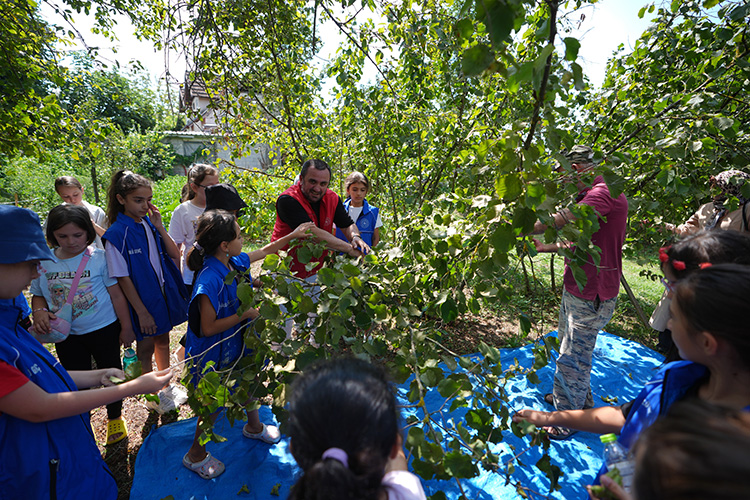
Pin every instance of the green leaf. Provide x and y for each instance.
(304, 255)
(503, 238)
(327, 276)
(449, 310)
(722, 122)
(572, 45)
(476, 60)
(464, 28)
(578, 76)
(459, 465)
(508, 187)
(524, 219)
(498, 17)
(524, 324)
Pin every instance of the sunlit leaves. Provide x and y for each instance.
(476, 59)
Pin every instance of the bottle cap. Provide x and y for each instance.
(129, 352)
(608, 438)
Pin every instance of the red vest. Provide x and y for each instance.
(327, 210)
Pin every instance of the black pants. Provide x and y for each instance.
(76, 351)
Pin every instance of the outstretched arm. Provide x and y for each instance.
(32, 403)
(302, 231)
(602, 420)
(560, 219)
(352, 234)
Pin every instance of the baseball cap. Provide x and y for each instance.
(224, 197)
(580, 154)
(24, 239)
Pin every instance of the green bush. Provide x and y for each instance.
(167, 195)
(259, 191)
(29, 182)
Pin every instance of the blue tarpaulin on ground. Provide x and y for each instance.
(620, 369)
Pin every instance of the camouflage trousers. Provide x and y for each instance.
(579, 325)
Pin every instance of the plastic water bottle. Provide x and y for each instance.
(128, 358)
(616, 457)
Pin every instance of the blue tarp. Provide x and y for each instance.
(620, 369)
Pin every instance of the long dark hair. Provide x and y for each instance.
(123, 183)
(66, 214)
(716, 300)
(343, 403)
(707, 247)
(698, 451)
(214, 227)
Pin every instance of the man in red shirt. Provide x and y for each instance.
(583, 312)
(310, 200)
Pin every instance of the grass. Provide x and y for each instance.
(540, 302)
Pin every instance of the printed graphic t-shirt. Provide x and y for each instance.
(92, 305)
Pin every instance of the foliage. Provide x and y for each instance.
(472, 105)
(29, 115)
(391, 306)
(166, 194)
(676, 110)
(128, 104)
(259, 190)
(31, 181)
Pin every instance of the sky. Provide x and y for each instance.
(606, 25)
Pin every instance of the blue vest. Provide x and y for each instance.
(365, 222)
(669, 385)
(168, 308)
(223, 296)
(56, 459)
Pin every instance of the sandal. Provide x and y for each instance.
(208, 468)
(116, 431)
(270, 434)
(558, 433)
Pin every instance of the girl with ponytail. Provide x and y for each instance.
(215, 330)
(345, 435)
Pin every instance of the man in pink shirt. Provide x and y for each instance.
(583, 312)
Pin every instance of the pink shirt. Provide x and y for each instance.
(603, 280)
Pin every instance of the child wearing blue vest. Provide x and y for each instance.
(142, 256)
(100, 320)
(362, 213)
(215, 330)
(48, 449)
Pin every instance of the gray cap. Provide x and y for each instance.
(580, 154)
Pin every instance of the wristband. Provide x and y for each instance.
(40, 309)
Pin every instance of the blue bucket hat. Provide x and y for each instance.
(24, 239)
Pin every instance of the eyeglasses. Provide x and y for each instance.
(669, 285)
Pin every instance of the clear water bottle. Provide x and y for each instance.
(616, 457)
(128, 358)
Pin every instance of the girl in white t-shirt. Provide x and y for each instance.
(344, 434)
(185, 216)
(70, 190)
(101, 321)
